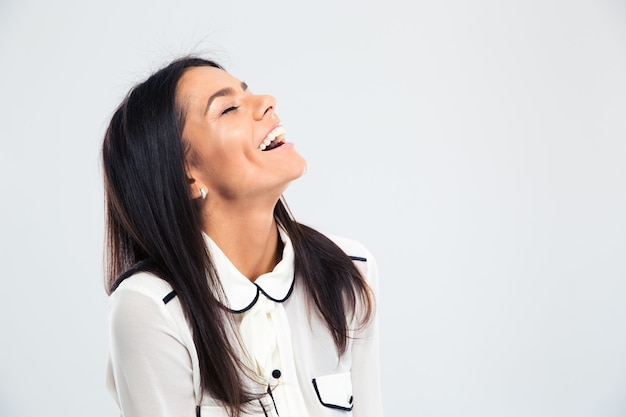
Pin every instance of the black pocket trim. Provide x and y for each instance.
(335, 406)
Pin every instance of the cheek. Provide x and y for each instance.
(214, 148)
(228, 167)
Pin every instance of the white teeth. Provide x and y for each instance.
(277, 133)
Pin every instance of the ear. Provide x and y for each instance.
(196, 188)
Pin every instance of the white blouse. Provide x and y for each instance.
(153, 368)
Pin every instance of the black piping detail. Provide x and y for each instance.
(169, 297)
(259, 291)
(338, 407)
(248, 307)
(358, 258)
(263, 408)
(198, 412)
(269, 391)
(143, 265)
(286, 296)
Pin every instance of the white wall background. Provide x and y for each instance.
(477, 148)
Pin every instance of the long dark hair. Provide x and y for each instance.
(153, 224)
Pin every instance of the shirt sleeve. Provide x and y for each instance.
(150, 365)
(365, 358)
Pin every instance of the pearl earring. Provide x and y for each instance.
(202, 193)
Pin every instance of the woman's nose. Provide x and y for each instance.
(264, 107)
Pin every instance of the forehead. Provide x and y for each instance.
(199, 83)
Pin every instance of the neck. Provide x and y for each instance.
(247, 235)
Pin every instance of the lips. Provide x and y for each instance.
(274, 139)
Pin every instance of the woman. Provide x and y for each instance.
(222, 304)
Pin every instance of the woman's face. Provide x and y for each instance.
(227, 128)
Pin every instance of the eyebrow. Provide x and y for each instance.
(228, 91)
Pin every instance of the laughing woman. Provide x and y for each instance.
(221, 303)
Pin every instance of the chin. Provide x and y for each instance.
(299, 169)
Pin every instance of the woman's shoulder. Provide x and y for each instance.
(354, 249)
(143, 283)
(143, 301)
(360, 255)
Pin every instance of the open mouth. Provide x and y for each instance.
(274, 139)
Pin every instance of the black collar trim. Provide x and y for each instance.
(259, 291)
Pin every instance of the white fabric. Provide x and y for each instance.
(332, 389)
(259, 335)
(153, 369)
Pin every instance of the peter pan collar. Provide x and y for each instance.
(241, 293)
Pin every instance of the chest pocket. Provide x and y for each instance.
(334, 391)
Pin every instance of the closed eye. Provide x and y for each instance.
(229, 109)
